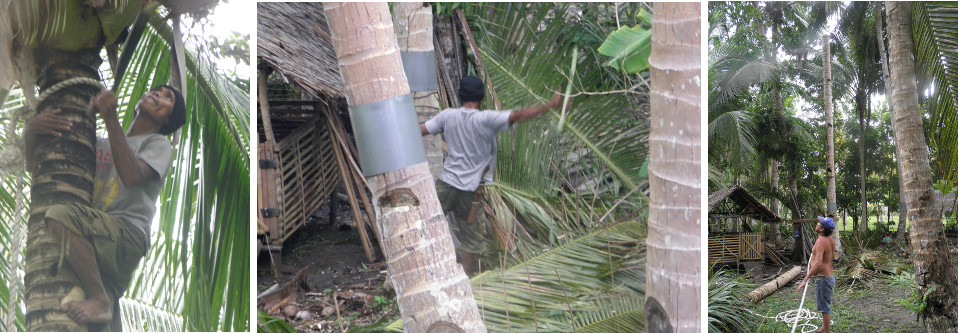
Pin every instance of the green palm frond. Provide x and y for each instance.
(512, 46)
(592, 283)
(936, 56)
(733, 131)
(196, 277)
(143, 317)
(726, 311)
(205, 212)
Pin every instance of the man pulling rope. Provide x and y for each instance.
(820, 266)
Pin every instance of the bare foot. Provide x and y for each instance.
(90, 311)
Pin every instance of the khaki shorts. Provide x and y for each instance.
(117, 246)
(456, 203)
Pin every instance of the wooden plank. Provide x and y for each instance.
(364, 238)
(264, 105)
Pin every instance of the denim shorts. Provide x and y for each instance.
(824, 288)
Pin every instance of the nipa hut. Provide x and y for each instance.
(304, 148)
(732, 211)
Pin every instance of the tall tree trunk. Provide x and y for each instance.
(64, 174)
(831, 201)
(861, 164)
(673, 289)
(413, 25)
(883, 54)
(773, 206)
(432, 289)
(933, 267)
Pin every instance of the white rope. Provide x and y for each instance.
(794, 317)
(800, 317)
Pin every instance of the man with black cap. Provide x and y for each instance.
(104, 243)
(470, 137)
(820, 266)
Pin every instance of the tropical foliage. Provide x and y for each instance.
(569, 255)
(196, 276)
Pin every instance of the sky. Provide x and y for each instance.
(228, 17)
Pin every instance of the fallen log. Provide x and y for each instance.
(768, 288)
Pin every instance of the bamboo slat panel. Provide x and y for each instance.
(724, 249)
(268, 195)
(308, 175)
(752, 246)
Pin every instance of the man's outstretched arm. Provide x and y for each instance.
(423, 130)
(530, 112)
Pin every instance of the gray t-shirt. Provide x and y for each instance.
(136, 204)
(470, 136)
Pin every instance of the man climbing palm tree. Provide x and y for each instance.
(470, 136)
(104, 243)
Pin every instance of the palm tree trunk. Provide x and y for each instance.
(773, 206)
(883, 54)
(433, 291)
(413, 24)
(861, 164)
(831, 201)
(64, 174)
(933, 267)
(673, 290)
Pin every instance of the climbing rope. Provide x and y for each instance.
(11, 157)
(800, 317)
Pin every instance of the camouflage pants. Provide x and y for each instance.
(456, 203)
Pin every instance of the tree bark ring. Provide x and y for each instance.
(387, 135)
(420, 68)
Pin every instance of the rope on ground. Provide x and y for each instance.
(799, 317)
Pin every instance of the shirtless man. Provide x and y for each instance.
(820, 266)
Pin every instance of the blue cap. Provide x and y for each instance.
(827, 222)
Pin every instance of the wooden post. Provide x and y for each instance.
(348, 184)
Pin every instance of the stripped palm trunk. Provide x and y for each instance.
(64, 174)
(773, 205)
(883, 54)
(433, 291)
(673, 287)
(413, 25)
(831, 201)
(934, 271)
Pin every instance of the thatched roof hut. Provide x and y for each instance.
(305, 149)
(740, 203)
(294, 39)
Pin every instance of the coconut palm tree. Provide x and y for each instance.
(569, 250)
(673, 291)
(414, 33)
(205, 223)
(433, 292)
(857, 26)
(934, 271)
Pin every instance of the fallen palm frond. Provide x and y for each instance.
(869, 265)
(727, 313)
(591, 283)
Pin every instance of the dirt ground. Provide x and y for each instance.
(337, 269)
(868, 307)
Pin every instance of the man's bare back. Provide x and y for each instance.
(825, 244)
